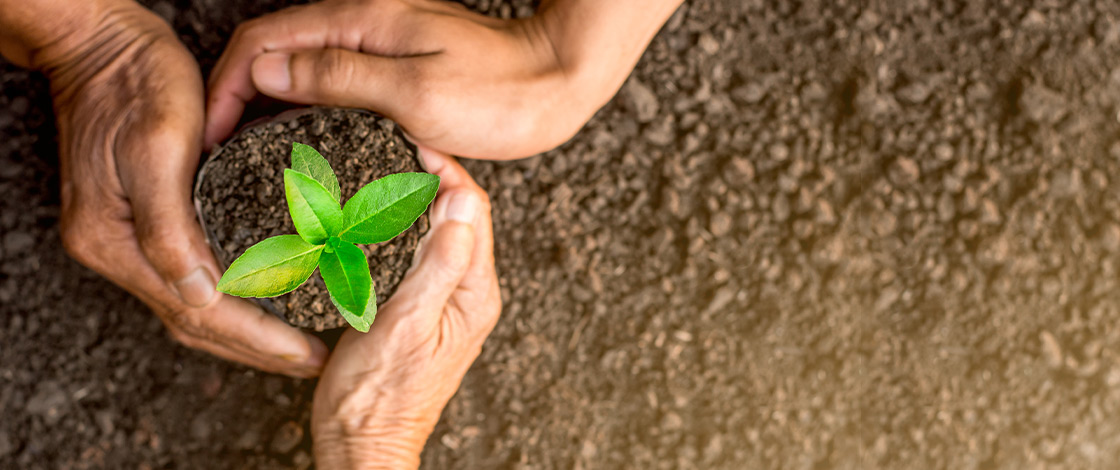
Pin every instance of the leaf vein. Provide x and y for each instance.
(273, 265)
(383, 209)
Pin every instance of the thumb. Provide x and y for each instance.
(445, 255)
(171, 239)
(156, 165)
(336, 77)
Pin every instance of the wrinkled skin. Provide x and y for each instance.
(129, 102)
(457, 81)
(382, 392)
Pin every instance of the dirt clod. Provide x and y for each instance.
(49, 401)
(642, 99)
(287, 437)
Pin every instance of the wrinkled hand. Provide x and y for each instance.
(382, 392)
(457, 81)
(129, 103)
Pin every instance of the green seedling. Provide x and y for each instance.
(328, 234)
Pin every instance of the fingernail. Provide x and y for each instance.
(463, 207)
(316, 358)
(271, 72)
(429, 160)
(197, 288)
(319, 351)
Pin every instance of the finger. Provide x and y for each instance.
(377, 28)
(446, 254)
(230, 84)
(481, 276)
(156, 162)
(340, 77)
(153, 160)
(451, 174)
(240, 355)
(246, 333)
(443, 258)
(232, 328)
(245, 327)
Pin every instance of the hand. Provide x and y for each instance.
(129, 103)
(382, 392)
(456, 81)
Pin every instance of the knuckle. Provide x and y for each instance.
(78, 240)
(489, 321)
(483, 197)
(185, 326)
(73, 241)
(158, 239)
(335, 71)
(455, 262)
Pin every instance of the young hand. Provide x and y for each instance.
(382, 392)
(458, 82)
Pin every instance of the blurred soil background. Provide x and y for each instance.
(806, 235)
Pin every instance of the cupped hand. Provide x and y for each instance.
(457, 81)
(382, 392)
(129, 102)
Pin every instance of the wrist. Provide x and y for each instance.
(373, 447)
(596, 43)
(369, 443)
(117, 39)
(36, 34)
(370, 428)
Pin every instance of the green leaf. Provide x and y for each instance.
(346, 273)
(386, 207)
(308, 161)
(359, 319)
(315, 213)
(270, 268)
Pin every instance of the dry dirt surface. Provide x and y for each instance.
(806, 235)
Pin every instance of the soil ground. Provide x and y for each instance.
(806, 235)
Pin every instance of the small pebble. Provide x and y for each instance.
(1051, 351)
(287, 437)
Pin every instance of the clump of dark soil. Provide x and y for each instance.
(240, 196)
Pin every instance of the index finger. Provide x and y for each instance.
(371, 28)
(231, 84)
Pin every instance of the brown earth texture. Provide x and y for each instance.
(806, 235)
